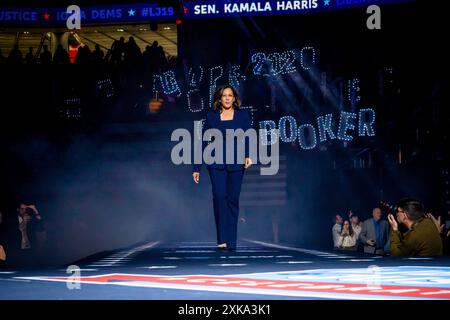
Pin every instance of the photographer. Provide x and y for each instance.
(31, 229)
(422, 236)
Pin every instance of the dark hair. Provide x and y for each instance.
(218, 95)
(350, 228)
(412, 207)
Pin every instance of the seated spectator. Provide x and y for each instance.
(336, 230)
(422, 235)
(375, 234)
(347, 238)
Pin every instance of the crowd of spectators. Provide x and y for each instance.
(152, 58)
(406, 232)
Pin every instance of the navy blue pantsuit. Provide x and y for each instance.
(226, 188)
(226, 179)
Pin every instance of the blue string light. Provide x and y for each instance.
(353, 91)
(199, 128)
(365, 126)
(198, 108)
(302, 63)
(324, 124)
(268, 128)
(235, 76)
(289, 58)
(106, 86)
(302, 136)
(259, 58)
(283, 128)
(212, 82)
(345, 125)
(282, 63)
(195, 78)
(168, 83)
(71, 108)
(252, 111)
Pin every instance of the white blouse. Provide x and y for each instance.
(347, 241)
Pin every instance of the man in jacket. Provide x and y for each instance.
(375, 234)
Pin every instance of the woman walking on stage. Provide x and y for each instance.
(226, 178)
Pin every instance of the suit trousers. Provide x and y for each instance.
(226, 188)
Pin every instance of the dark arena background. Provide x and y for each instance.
(86, 127)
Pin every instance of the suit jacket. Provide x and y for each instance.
(368, 232)
(241, 120)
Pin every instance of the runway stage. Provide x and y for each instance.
(256, 271)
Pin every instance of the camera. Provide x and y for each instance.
(391, 208)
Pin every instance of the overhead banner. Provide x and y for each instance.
(89, 15)
(227, 8)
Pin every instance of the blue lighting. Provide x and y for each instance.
(283, 128)
(302, 57)
(192, 93)
(213, 81)
(345, 124)
(168, 82)
(268, 132)
(366, 121)
(239, 8)
(90, 15)
(324, 124)
(305, 143)
(194, 78)
(236, 77)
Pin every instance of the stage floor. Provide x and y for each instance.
(256, 271)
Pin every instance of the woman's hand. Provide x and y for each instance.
(437, 222)
(196, 176)
(248, 163)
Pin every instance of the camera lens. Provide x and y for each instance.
(390, 208)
